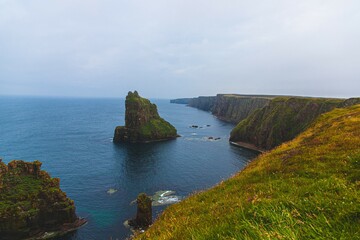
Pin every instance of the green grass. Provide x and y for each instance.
(143, 121)
(157, 127)
(282, 120)
(23, 194)
(307, 188)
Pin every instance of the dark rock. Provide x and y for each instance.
(144, 212)
(210, 138)
(32, 202)
(142, 122)
(350, 102)
(194, 126)
(217, 138)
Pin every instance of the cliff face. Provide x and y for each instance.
(180, 100)
(203, 103)
(230, 107)
(32, 203)
(281, 120)
(234, 108)
(142, 122)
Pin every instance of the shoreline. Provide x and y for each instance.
(247, 146)
(62, 230)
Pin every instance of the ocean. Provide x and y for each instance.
(72, 137)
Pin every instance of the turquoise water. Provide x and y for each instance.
(73, 139)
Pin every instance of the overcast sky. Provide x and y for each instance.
(179, 48)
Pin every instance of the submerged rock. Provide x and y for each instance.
(142, 122)
(111, 191)
(161, 198)
(32, 202)
(144, 212)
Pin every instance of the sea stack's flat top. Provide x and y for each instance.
(142, 122)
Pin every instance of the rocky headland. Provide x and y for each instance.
(32, 204)
(229, 107)
(282, 119)
(142, 122)
(307, 188)
(180, 100)
(266, 121)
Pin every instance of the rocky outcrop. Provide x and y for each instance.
(144, 212)
(32, 203)
(281, 120)
(350, 102)
(142, 122)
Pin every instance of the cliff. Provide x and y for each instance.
(142, 122)
(180, 100)
(234, 108)
(31, 202)
(202, 103)
(307, 188)
(231, 107)
(281, 120)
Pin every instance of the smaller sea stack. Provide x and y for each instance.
(144, 212)
(142, 122)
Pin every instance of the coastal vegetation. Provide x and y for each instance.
(281, 120)
(307, 188)
(32, 203)
(266, 121)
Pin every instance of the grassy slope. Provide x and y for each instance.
(307, 188)
(282, 120)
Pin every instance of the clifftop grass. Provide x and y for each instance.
(307, 188)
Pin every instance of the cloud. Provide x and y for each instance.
(187, 48)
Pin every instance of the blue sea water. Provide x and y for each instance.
(72, 137)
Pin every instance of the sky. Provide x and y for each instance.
(179, 48)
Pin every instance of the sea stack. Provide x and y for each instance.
(144, 212)
(142, 122)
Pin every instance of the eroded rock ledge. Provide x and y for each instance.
(142, 122)
(32, 203)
